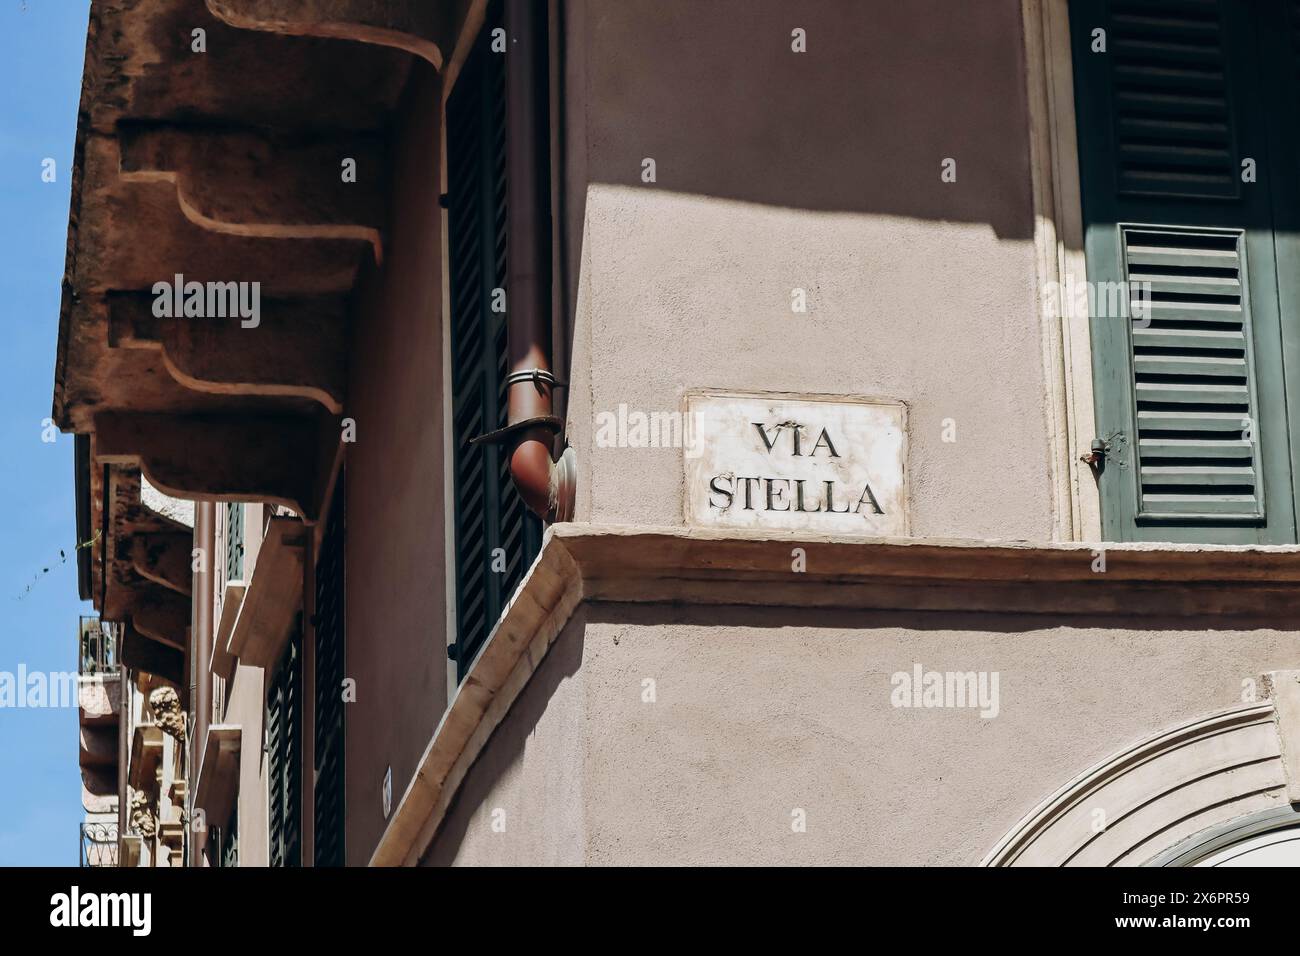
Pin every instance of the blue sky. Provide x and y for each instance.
(42, 46)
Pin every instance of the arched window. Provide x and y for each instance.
(1270, 838)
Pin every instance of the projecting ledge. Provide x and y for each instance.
(773, 569)
(218, 780)
(231, 601)
(273, 597)
(686, 566)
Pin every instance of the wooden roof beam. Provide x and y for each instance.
(161, 616)
(421, 27)
(164, 559)
(246, 183)
(145, 655)
(269, 459)
(297, 347)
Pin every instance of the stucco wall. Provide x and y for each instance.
(245, 700)
(529, 782)
(396, 606)
(246, 707)
(820, 171)
(759, 712)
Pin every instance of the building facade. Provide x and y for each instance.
(525, 432)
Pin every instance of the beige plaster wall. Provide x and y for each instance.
(245, 700)
(396, 604)
(759, 712)
(246, 707)
(524, 802)
(819, 171)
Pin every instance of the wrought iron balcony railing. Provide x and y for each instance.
(99, 844)
(97, 646)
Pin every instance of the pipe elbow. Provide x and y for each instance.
(547, 486)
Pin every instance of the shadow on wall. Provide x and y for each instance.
(861, 122)
(502, 754)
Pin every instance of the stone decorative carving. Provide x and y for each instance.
(143, 820)
(166, 706)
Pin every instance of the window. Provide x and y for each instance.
(1265, 838)
(1276, 848)
(1188, 151)
(496, 536)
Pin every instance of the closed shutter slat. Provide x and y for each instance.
(1190, 339)
(1189, 365)
(1155, 449)
(1191, 505)
(1171, 393)
(1197, 421)
(1201, 285)
(1196, 475)
(1159, 256)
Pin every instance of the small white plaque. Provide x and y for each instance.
(836, 466)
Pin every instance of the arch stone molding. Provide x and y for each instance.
(1133, 807)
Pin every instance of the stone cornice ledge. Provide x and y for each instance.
(707, 567)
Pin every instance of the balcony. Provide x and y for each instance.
(98, 643)
(99, 844)
(99, 703)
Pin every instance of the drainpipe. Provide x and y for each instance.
(201, 614)
(545, 484)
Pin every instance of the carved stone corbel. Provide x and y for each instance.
(143, 819)
(166, 706)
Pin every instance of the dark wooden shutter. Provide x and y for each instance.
(329, 743)
(1191, 397)
(1172, 117)
(284, 757)
(488, 512)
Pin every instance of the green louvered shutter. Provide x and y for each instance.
(284, 757)
(235, 541)
(488, 512)
(329, 741)
(228, 841)
(1190, 395)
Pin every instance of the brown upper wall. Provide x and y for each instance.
(859, 123)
